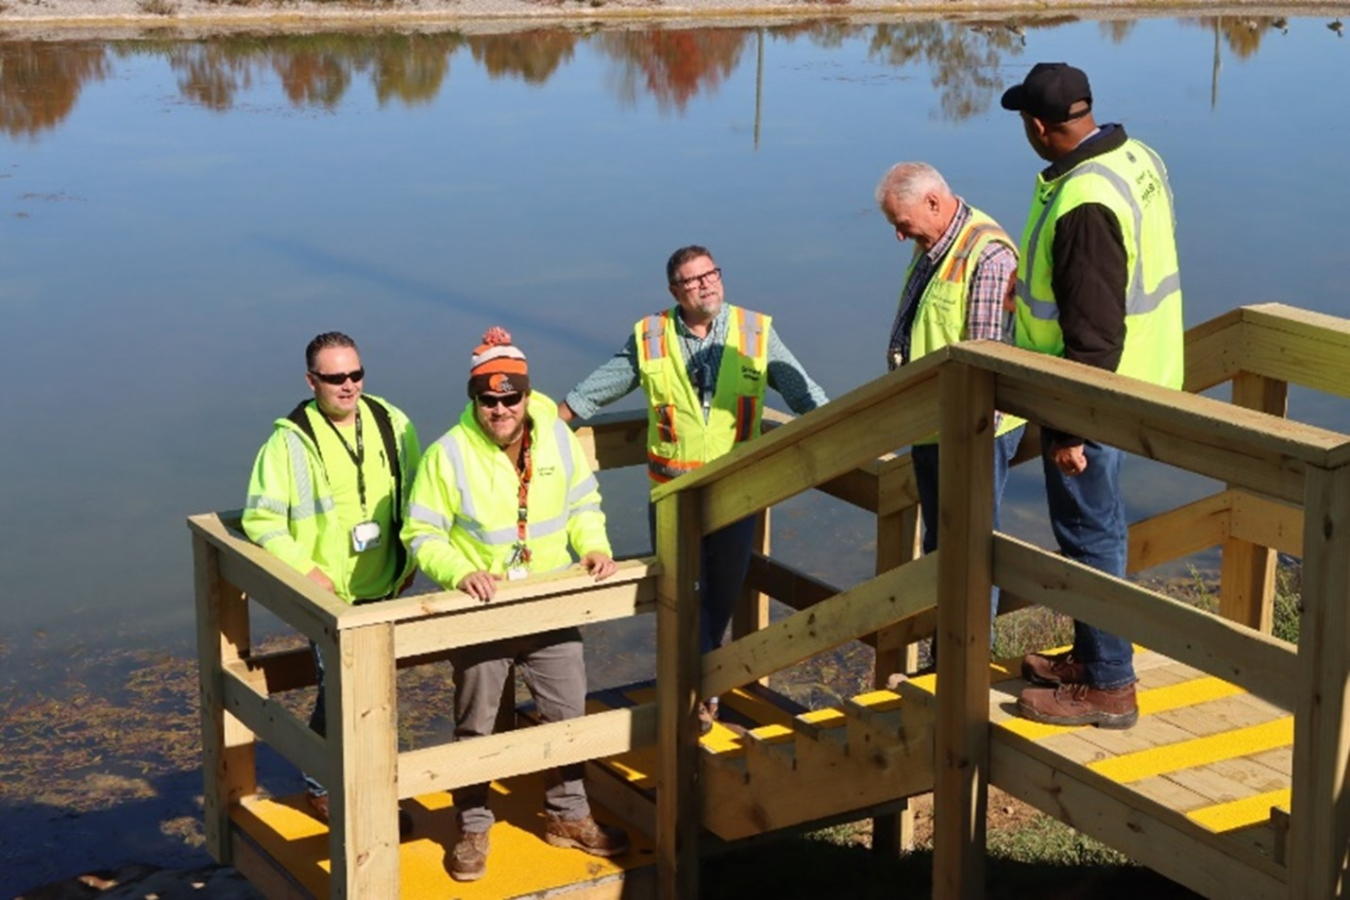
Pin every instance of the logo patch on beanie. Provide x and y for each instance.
(500, 383)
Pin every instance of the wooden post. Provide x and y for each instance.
(965, 555)
(363, 743)
(897, 544)
(1319, 829)
(752, 607)
(229, 768)
(678, 670)
(1247, 576)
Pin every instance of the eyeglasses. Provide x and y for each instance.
(488, 402)
(339, 378)
(712, 276)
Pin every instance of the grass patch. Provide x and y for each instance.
(158, 7)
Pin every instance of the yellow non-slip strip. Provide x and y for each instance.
(1151, 702)
(830, 717)
(1240, 813)
(1197, 752)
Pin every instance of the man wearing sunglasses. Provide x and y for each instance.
(505, 494)
(327, 493)
(703, 365)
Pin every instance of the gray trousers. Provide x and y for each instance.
(555, 672)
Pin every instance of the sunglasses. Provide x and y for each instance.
(339, 378)
(488, 402)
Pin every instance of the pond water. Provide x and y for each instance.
(178, 218)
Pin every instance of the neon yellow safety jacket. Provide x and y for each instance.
(463, 512)
(290, 511)
(678, 438)
(1131, 181)
(940, 319)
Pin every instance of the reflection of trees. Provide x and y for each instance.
(41, 80)
(1242, 34)
(965, 60)
(314, 70)
(1117, 30)
(532, 55)
(673, 66)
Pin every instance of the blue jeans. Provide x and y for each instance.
(925, 458)
(724, 558)
(1087, 514)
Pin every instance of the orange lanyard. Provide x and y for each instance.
(526, 472)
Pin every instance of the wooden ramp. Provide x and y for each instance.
(1202, 781)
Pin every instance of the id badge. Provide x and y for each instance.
(365, 536)
(515, 573)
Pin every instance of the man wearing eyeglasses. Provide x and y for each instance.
(327, 493)
(505, 494)
(703, 365)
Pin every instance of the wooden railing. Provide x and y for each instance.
(1279, 475)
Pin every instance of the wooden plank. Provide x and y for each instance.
(1259, 663)
(789, 586)
(571, 581)
(850, 431)
(263, 872)
(537, 748)
(857, 611)
(1212, 350)
(897, 487)
(286, 593)
(1296, 345)
(1158, 837)
(1197, 433)
(273, 673)
(678, 668)
(363, 760)
(494, 621)
(229, 770)
(614, 440)
(751, 612)
(1322, 716)
(1179, 532)
(965, 555)
(1268, 523)
(1247, 576)
(276, 726)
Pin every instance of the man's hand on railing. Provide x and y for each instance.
(599, 564)
(481, 585)
(316, 575)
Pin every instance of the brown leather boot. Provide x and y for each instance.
(586, 835)
(1080, 704)
(468, 859)
(1053, 670)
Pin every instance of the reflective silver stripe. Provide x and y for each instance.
(280, 532)
(580, 491)
(562, 434)
(304, 484)
(419, 513)
(652, 332)
(667, 470)
(589, 507)
(423, 538)
(544, 529)
(310, 508)
(1137, 300)
(271, 504)
(477, 532)
(751, 326)
(456, 457)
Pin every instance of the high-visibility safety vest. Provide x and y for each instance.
(1131, 181)
(464, 514)
(678, 438)
(291, 513)
(940, 319)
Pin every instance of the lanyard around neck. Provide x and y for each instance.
(358, 456)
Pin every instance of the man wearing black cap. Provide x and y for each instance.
(1097, 283)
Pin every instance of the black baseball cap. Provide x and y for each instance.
(1049, 91)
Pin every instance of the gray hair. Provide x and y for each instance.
(907, 182)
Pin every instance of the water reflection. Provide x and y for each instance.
(43, 79)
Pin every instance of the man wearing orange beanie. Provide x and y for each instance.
(505, 494)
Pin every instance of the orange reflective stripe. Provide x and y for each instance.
(662, 469)
(745, 418)
(654, 336)
(959, 256)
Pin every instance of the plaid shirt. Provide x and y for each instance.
(985, 316)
